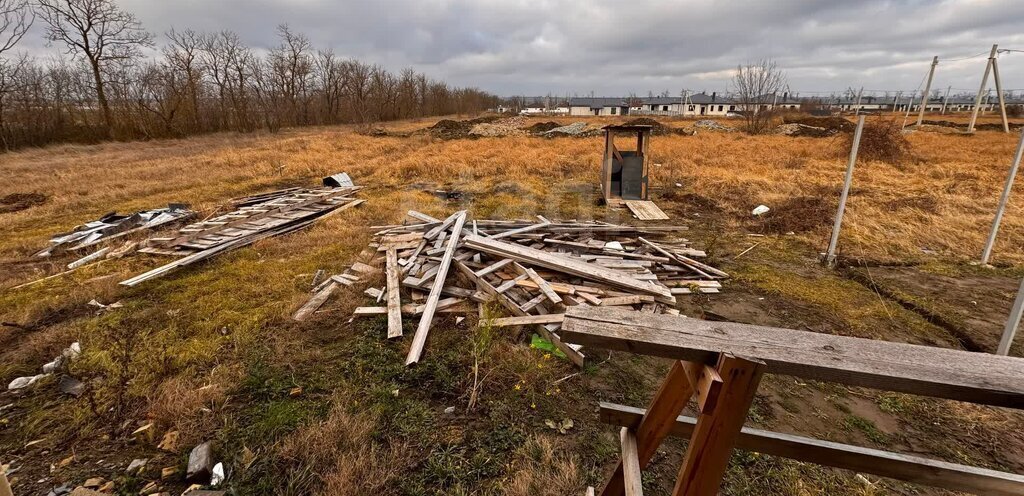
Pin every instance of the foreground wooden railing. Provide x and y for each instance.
(722, 364)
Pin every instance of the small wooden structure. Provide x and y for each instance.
(624, 173)
(721, 363)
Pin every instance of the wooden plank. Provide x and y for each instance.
(626, 300)
(707, 454)
(667, 404)
(391, 271)
(493, 267)
(543, 285)
(420, 338)
(568, 265)
(422, 217)
(315, 301)
(521, 230)
(554, 318)
(645, 210)
(906, 368)
(631, 475)
(909, 468)
(706, 381)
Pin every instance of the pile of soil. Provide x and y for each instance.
(795, 129)
(657, 128)
(511, 126)
(832, 123)
(574, 130)
(542, 127)
(20, 201)
(449, 129)
(988, 126)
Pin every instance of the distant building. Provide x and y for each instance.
(696, 104)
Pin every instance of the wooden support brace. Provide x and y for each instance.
(707, 454)
(630, 463)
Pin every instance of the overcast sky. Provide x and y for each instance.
(612, 48)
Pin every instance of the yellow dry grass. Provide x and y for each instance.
(941, 200)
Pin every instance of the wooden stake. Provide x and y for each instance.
(986, 254)
(830, 256)
(1012, 322)
(713, 438)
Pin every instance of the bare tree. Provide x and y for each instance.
(16, 17)
(755, 87)
(99, 31)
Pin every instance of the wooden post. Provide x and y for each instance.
(606, 168)
(830, 256)
(999, 94)
(927, 90)
(945, 100)
(1003, 200)
(630, 463)
(1012, 322)
(668, 402)
(715, 434)
(981, 89)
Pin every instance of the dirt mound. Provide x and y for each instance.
(795, 129)
(711, 125)
(20, 201)
(574, 130)
(882, 139)
(511, 126)
(450, 129)
(988, 126)
(657, 128)
(800, 214)
(832, 123)
(542, 127)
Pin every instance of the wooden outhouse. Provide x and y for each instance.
(624, 172)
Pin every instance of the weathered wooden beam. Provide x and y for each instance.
(391, 271)
(420, 338)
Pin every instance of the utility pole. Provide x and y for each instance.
(830, 256)
(910, 105)
(945, 100)
(859, 93)
(984, 82)
(1003, 200)
(896, 101)
(927, 90)
(999, 93)
(1012, 322)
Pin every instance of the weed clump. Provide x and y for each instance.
(882, 140)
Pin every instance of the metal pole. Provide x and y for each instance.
(945, 101)
(927, 90)
(999, 93)
(859, 92)
(1003, 200)
(1012, 322)
(984, 81)
(830, 256)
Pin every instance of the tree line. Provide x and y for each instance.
(103, 85)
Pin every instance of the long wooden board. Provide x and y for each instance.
(391, 270)
(938, 372)
(908, 468)
(568, 265)
(420, 338)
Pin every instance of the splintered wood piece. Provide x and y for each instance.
(645, 210)
(554, 318)
(707, 454)
(626, 300)
(422, 217)
(394, 298)
(631, 474)
(316, 301)
(543, 285)
(420, 338)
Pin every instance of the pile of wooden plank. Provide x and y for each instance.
(255, 218)
(113, 226)
(534, 270)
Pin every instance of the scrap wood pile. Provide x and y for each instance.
(112, 226)
(255, 217)
(534, 270)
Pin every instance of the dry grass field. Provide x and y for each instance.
(326, 406)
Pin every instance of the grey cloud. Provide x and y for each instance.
(614, 47)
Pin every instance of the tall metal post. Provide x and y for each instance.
(1003, 200)
(981, 89)
(1012, 322)
(927, 90)
(830, 256)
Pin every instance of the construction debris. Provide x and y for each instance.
(256, 217)
(711, 125)
(111, 226)
(574, 130)
(534, 270)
